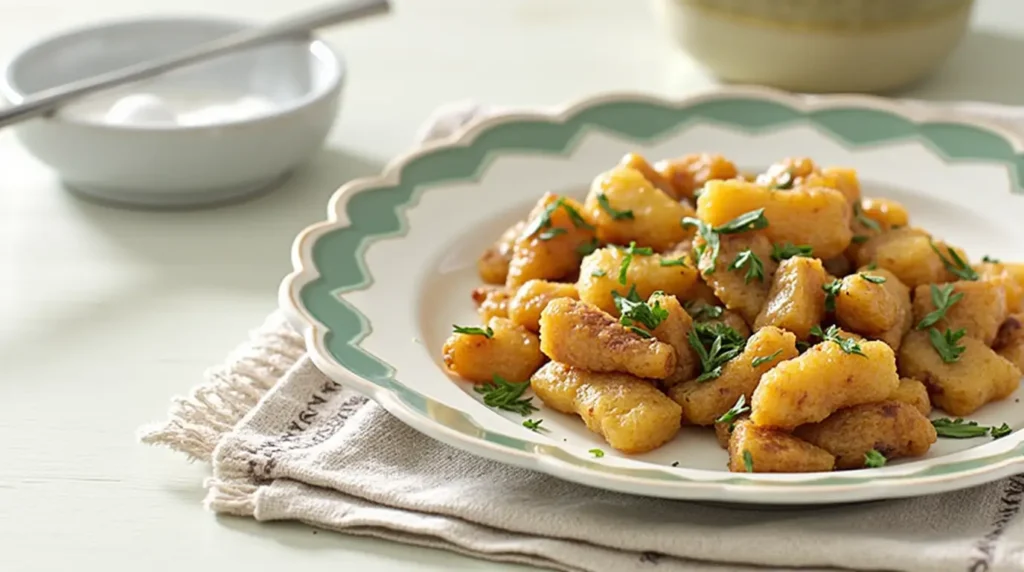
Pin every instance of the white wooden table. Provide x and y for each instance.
(105, 314)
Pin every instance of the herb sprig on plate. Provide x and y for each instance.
(716, 344)
(507, 395)
(753, 220)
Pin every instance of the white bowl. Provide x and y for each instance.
(864, 46)
(276, 104)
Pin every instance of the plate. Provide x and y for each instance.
(378, 285)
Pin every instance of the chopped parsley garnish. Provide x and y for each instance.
(954, 264)
(506, 395)
(863, 219)
(534, 425)
(960, 429)
(848, 345)
(943, 299)
(859, 239)
(628, 259)
(759, 361)
(681, 261)
(551, 233)
(738, 409)
(802, 346)
(873, 279)
(598, 273)
(748, 461)
(701, 311)
(474, 331)
(616, 214)
(990, 260)
(543, 220)
(588, 247)
(755, 268)
(633, 310)
(675, 463)
(872, 266)
(715, 344)
(597, 453)
(946, 343)
(873, 459)
(753, 220)
(789, 250)
(832, 290)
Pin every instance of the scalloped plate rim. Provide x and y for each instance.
(756, 488)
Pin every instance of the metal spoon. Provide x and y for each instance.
(49, 100)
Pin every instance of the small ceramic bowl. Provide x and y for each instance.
(866, 46)
(210, 133)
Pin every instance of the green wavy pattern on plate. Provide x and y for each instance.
(378, 213)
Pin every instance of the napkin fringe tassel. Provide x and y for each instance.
(197, 422)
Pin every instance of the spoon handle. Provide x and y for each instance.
(49, 100)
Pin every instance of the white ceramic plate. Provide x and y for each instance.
(377, 286)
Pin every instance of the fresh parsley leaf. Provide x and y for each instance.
(990, 260)
(587, 248)
(543, 220)
(534, 425)
(955, 265)
(551, 233)
(848, 345)
(631, 250)
(960, 429)
(1001, 431)
(872, 266)
(598, 273)
(715, 344)
(738, 409)
(869, 223)
(701, 311)
(574, 215)
(681, 261)
(748, 461)
(712, 244)
(873, 279)
(753, 220)
(473, 331)
(759, 361)
(873, 459)
(633, 310)
(789, 250)
(946, 343)
(597, 453)
(755, 268)
(859, 239)
(832, 290)
(506, 395)
(943, 299)
(602, 201)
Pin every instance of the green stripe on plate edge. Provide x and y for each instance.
(378, 212)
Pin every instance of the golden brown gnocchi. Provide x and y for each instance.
(630, 413)
(803, 321)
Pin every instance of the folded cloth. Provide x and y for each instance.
(288, 443)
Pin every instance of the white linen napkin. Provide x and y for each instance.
(287, 443)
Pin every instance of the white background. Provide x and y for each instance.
(105, 314)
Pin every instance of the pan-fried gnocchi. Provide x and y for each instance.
(803, 323)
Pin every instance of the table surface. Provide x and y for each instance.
(76, 490)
